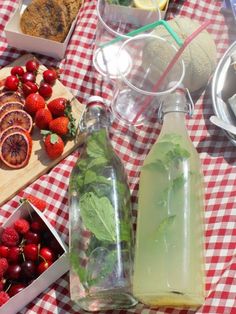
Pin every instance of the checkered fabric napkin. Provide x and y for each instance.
(217, 155)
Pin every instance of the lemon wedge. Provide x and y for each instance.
(150, 4)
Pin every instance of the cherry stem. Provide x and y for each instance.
(9, 286)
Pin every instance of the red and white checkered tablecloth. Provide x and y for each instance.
(217, 154)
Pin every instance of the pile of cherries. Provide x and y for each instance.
(27, 252)
(26, 79)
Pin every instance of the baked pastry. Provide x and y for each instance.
(50, 19)
(72, 7)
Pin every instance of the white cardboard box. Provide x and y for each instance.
(49, 276)
(16, 38)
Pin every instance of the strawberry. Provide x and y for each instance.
(42, 118)
(63, 125)
(37, 202)
(57, 106)
(33, 103)
(60, 126)
(54, 145)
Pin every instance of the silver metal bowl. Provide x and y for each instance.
(219, 85)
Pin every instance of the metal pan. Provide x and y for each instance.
(223, 87)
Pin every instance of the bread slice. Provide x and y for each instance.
(47, 19)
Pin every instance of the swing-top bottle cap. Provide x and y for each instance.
(173, 104)
(96, 101)
(179, 88)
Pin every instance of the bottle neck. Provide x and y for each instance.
(95, 119)
(174, 122)
(174, 110)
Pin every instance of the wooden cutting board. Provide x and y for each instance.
(13, 180)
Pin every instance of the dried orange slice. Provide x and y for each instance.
(8, 106)
(16, 118)
(10, 130)
(15, 149)
(8, 96)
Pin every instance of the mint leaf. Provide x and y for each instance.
(171, 138)
(163, 226)
(100, 161)
(98, 216)
(97, 145)
(125, 232)
(103, 263)
(79, 270)
(120, 2)
(92, 177)
(82, 164)
(155, 166)
(167, 152)
(178, 182)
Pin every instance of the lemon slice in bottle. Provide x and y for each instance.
(150, 4)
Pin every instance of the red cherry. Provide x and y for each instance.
(12, 83)
(43, 266)
(13, 272)
(50, 76)
(45, 90)
(29, 88)
(14, 254)
(31, 252)
(16, 288)
(32, 237)
(55, 245)
(28, 76)
(2, 283)
(17, 71)
(47, 254)
(28, 269)
(32, 65)
(38, 225)
(4, 251)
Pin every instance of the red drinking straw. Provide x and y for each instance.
(170, 66)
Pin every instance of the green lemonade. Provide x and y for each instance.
(169, 268)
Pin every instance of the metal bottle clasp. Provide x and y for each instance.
(189, 106)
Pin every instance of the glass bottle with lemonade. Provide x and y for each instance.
(169, 254)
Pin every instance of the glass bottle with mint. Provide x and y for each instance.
(169, 252)
(101, 238)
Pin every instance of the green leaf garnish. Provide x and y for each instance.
(75, 263)
(163, 226)
(169, 151)
(98, 216)
(106, 268)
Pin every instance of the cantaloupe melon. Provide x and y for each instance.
(199, 57)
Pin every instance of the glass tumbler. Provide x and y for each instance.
(113, 21)
(136, 97)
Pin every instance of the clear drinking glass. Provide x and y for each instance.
(117, 20)
(136, 97)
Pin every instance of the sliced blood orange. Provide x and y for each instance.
(10, 130)
(8, 96)
(16, 118)
(8, 106)
(15, 149)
